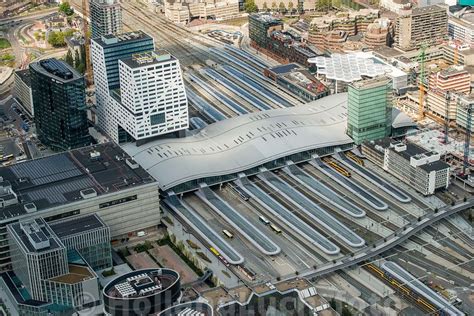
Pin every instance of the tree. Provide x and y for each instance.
(282, 7)
(323, 5)
(274, 6)
(264, 6)
(346, 311)
(77, 59)
(69, 32)
(56, 39)
(65, 8)
(69, 59)
(250, 6)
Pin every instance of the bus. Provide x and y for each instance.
(228, 234)
(214, 251)
(275, 229)
(264, 220)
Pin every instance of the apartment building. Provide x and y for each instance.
(421, 26)
(106, 17)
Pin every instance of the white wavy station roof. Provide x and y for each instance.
(348, 67)
(244, 142)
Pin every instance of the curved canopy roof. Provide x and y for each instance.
(244, 142)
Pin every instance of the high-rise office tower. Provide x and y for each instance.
(106, 17)
(105, 53)
(60, 105)
(152, 95)
(369, 109)
(142, 98)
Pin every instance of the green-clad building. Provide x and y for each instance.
(369, 109)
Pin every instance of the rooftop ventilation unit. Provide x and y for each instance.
(95, 155)
(132, 163)
(30, 207)
(88, 193)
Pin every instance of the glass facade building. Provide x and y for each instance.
(89, 236)
(369, 109)
(49, 273)
(60, 105)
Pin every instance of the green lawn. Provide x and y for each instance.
(236, 21)
(4, 43)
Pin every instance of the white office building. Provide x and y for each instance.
(152, 95)
(420, 168)
(139, 92)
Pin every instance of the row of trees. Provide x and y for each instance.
(251, 7)
(78, 60)
(321, 5)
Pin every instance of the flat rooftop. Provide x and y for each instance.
(306, 81)
(37, 237)
(70, 177)
(267, 18)
(111, 40)
(428, 9)
(76, 274)
(148, 59)
(141, 283)
(283, 69)
(76, 225)
(24, 75)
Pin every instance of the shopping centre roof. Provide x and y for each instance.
(245, 142)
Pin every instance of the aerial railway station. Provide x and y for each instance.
(222, 178)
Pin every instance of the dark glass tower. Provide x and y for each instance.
(60, 105)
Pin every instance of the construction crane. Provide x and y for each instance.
(467, 140)
(85, 30)
(447, 98)
(421, 62)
